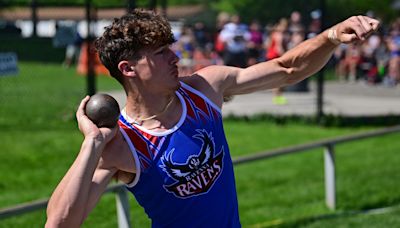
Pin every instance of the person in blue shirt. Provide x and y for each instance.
(169, 146)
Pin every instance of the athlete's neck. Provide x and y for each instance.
(152, 112)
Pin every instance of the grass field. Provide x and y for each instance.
(39, 140)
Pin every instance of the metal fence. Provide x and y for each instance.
(122, 202)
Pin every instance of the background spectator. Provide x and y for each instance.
(235, 36)
(276, 46)
(255, 43)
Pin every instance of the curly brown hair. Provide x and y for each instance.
(126, 36)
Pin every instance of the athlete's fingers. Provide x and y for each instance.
(365, 25)
(349, 38)
(355, 26)
(374, 23)
(81, 109)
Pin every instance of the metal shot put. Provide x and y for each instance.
(103, 110)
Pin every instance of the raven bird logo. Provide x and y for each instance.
(200, 171)
(194, 162)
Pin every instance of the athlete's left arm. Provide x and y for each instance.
(295, 65)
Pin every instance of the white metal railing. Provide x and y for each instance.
(122, 201)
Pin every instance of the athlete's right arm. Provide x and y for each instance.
(85, 181)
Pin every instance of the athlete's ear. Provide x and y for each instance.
(127, 68)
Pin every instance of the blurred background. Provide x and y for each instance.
(47, 65)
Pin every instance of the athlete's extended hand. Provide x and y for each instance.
(89, 129)
(354, 29)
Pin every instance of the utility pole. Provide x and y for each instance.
(34, 17)
(321, 73)
(131, 5)
(153, 5)
(164, 4)
(91, 75)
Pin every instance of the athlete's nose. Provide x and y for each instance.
(174, 57)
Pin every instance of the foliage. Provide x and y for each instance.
(98, 3)
(262, 10)
(341, 9)
(272, 11)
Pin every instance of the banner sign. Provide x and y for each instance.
(8, 63)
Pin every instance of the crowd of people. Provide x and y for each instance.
(376, 61)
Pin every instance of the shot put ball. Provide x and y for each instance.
(103, 110)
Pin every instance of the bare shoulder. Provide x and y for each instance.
(217, 74)
(118, 155)
(210, 81)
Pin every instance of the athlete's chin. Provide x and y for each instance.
(177, 85)
(173, 83)
(175, 79)
(175, 73)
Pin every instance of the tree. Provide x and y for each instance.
(336, 10)
(266, 11)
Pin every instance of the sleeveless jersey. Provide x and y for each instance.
(185, 174)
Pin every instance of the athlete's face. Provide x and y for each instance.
(157, 68)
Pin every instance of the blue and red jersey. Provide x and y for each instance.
(185, 174)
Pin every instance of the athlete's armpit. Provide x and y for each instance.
(124, 177)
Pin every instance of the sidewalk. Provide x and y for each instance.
(342, 99)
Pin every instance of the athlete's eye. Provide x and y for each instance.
(160, 51)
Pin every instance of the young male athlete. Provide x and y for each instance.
(170, 148)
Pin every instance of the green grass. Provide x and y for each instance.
(39, 140)
(292, 187)
(37, 121)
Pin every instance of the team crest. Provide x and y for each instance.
(198, 174)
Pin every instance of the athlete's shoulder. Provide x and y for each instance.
(207, 75)
(207, 81)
